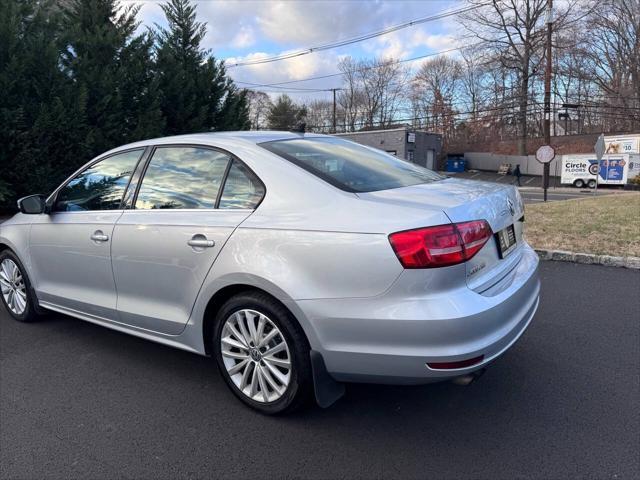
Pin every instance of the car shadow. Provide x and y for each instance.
(435, 402)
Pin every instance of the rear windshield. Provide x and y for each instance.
(350, 166)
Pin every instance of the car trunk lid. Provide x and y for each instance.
(463, 201)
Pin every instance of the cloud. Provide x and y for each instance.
(229, 23)
(244, 38)
(420, 38)
(295, 24)
(253, 29)
(290, 69)
(304, 23)
(393, 45)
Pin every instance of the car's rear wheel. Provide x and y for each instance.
(262, 353)
(578, 183)
(591, 184)
(15, 288)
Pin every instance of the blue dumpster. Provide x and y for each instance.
(456, 165)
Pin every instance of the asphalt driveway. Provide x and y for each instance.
(81, 401)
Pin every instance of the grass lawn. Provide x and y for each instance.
(608, 225)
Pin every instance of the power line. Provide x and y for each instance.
(342, 43)
(487, 114)
(310, 90)
(293, 89)
(443, 115)
(364, 69)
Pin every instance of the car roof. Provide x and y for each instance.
(258, 136)
(220, 138)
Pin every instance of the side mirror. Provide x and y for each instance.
(32, 205)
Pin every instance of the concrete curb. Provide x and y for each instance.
(589, 259)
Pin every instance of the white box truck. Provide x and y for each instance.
(582, 170)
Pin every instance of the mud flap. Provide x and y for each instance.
(327, 390)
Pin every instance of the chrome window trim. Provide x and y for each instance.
(191, 210)
(51, 199)
(232, 158)
(143, 162)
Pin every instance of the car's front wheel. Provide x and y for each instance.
(262, 353)
(15, 288)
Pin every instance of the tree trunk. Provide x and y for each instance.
(522, 115)
(524, 98)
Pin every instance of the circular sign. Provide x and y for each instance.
(545, 154)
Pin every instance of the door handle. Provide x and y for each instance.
(200, 241)
(98, 236)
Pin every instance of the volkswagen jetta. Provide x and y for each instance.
(298, 261)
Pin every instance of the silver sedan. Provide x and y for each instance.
(297, 261)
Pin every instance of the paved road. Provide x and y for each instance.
(531, 190)
(526, 180)
(81, 401)
(537, 195)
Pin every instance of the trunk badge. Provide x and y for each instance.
(476, 269)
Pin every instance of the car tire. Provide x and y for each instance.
(578, 183)
(260, 379)
(591, 184)
(15, 289)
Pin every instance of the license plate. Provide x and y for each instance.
(506, 241)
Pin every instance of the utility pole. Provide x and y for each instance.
(547, 96)
(334, 108)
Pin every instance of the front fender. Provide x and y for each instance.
(15, 236)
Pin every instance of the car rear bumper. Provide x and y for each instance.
(391, 338)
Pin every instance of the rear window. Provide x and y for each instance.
(350, 166)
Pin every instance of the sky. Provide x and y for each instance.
(246, 30)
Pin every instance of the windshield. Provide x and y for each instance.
(350, 166)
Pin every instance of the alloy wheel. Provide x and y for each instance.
(14, 290)
(256, 355)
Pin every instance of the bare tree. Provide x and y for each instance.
(383, 85)
(611, 48)
(350, 98)
(435, 87)
(372, 93)
(513, 30)
(259, 106)
(473, 82)
(572, 83)
(320, 115)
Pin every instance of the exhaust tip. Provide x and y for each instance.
(469, 378)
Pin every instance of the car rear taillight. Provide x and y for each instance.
(440, 246)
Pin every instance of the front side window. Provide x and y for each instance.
(182, 177)
(350, 166)
(99, 187)
(242, 189)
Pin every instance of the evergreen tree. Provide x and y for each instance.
(140, 89)
(196, 93)
(76, 80)
(41, 118)
(284, 114)
(111, 68)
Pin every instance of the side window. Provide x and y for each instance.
(99, 187)
(242, 188)
(182, 177)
